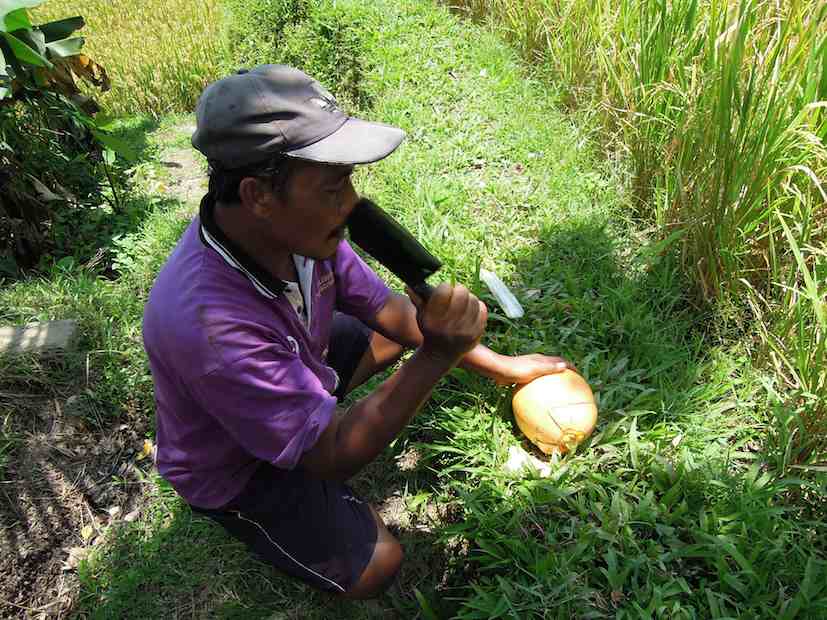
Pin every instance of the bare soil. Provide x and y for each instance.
(67, 481)
(188, 179)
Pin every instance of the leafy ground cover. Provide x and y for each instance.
(682, 505)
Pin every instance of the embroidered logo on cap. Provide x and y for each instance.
(324, 104)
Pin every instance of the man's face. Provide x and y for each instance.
(308, 218)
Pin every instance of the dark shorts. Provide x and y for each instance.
(316, 530)
(349, 339)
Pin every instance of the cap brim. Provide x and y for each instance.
(355, 142)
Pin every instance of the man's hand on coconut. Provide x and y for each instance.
(525, 368)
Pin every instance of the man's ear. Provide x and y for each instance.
(256, 195)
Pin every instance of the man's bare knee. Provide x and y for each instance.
(383, 566)
(382, 569)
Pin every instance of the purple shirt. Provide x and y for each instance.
(238, 377)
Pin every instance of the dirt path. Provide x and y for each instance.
(68, 481)
(185, 166)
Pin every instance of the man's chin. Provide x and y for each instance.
(328, 252)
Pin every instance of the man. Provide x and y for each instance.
(263, 318)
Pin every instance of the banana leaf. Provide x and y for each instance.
(65, 47)
(8, 7)
(61, 28)
(17, 20)
(24, 53)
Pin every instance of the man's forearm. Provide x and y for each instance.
(483, 361)
(373, 422)
(397, 321)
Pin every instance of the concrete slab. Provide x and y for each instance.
(53, 337)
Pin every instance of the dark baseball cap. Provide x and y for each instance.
(252, 115)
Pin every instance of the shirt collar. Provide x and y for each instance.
(212, 236)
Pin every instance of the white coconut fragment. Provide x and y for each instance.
(519, 460)
(504, 297)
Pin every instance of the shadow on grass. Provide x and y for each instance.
(175, 563)
(622, 320)
(134, 133)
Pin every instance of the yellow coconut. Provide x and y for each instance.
(555, 412)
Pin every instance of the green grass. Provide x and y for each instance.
(684, 504)
(718, 105)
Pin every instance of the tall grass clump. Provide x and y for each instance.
(159, 54)
(719, 108)
(324, 39)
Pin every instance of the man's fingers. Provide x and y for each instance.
(558, 364)
(563, 364)
(459, 302)
(477, 318)
(441, 299)
(483, 314)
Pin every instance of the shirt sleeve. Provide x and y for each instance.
(270, 403)
(359, 291)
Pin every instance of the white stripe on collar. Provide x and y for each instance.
(304, 268)
(228, 257)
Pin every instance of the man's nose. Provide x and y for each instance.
(349, 198)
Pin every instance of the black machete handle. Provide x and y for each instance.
(423, 290)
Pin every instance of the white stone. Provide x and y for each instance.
(49, 336)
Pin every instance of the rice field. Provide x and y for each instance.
(157, 68)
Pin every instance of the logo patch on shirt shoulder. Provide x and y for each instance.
(293, 344)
